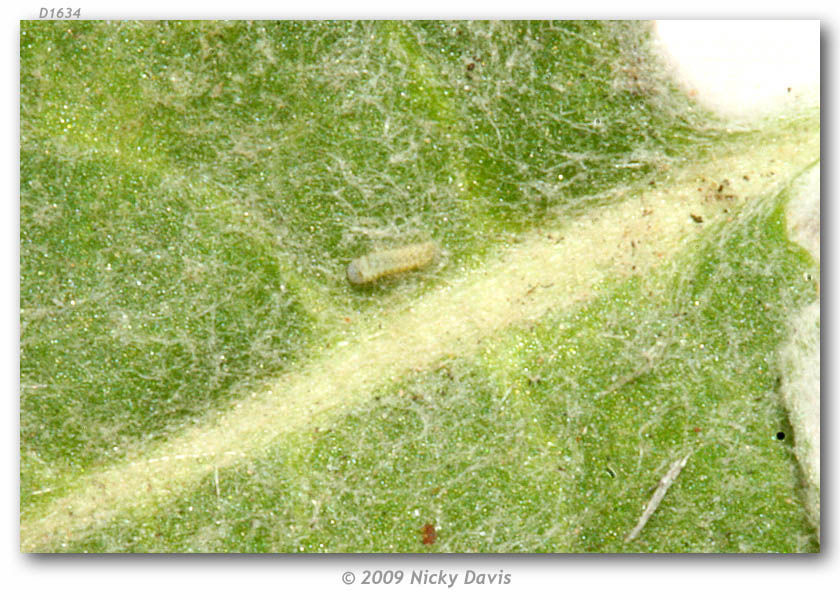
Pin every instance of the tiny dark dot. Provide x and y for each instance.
(470, 66)
(780, 435)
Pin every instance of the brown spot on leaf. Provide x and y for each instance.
(429, 534)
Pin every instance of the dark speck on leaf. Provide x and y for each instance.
(429, 534)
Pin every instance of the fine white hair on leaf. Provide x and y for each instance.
(661, 489)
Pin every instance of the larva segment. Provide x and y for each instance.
(376, 265)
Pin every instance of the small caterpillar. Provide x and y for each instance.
(376, 265)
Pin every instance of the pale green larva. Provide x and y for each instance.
(376, 265)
